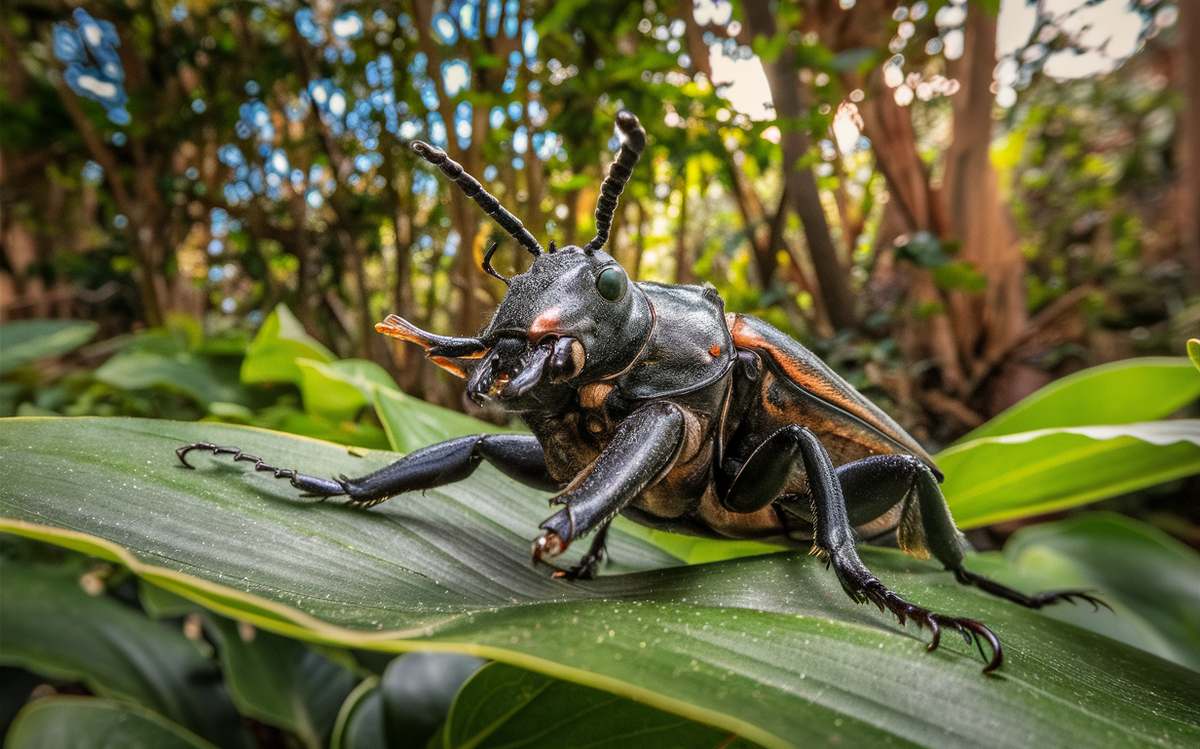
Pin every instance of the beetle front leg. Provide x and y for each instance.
(643, 448)
(517, 455)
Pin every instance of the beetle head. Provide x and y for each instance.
(573, 318)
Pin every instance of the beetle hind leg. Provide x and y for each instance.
(833, 536)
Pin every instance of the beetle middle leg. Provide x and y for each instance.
(763, 478)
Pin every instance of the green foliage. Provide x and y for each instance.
(91, 723)
(773, 631)
(26, 341)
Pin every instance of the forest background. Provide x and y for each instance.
(953, 203)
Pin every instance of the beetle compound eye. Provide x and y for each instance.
(611, 284)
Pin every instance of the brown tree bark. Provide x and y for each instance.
(791, 104)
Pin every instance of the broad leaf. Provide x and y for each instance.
(412, 423)
(1119, 393)
(280, 342)
(52, 627)
(766, 647)
(504, 706)
(340, 389)
(418, 690)
(1015, 475)
(24, 341)
(280, 681)
(92, 723)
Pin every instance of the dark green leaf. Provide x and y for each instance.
(52, 627)
(92, 723)
(281, 681)
(1119, 393)
(360, 721)
(418, 689)
(505, 706)
(24, 341)
(767, 647)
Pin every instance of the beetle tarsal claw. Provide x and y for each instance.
(548, 544)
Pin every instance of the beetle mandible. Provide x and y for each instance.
(650, 401)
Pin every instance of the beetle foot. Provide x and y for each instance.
(585, 570)
(966, 577)
(549, 544)
(973, 632)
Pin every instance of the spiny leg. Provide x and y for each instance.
(312, 486)
(517, 455)
(947, 545)
(763, 477)
(588, 566)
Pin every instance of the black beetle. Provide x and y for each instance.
(650, 401)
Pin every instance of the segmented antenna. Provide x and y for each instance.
(619, 173)
(473, 190)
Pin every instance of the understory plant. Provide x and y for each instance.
(214, 607)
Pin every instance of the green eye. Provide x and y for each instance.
(611, 284)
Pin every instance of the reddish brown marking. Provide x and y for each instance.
(546, 324)
(593, 395)
(746, 337)
(449, 365)
(715, 351)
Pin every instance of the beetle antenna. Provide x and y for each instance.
(473, 190)
(619, 173)
(487, 263)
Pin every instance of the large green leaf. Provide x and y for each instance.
(51, 626)
(339, 390)
(92, 723)
(1119, 393)
(280, 342)
(1028, 473)
(766, 647)
(503, 706)
(24, 341)
(280, 681)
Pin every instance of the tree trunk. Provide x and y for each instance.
(790, 98)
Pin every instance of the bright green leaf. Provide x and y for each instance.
(24, 341)
(767, 647)
(1150, 577)
(339, 390)
(1119, 393)
(52, 627)
(280, 342)
(999, 478)
(412, 423)
(187, 372)
(1193, 349)
(92, 723)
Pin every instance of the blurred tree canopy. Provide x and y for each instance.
(955, 202)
